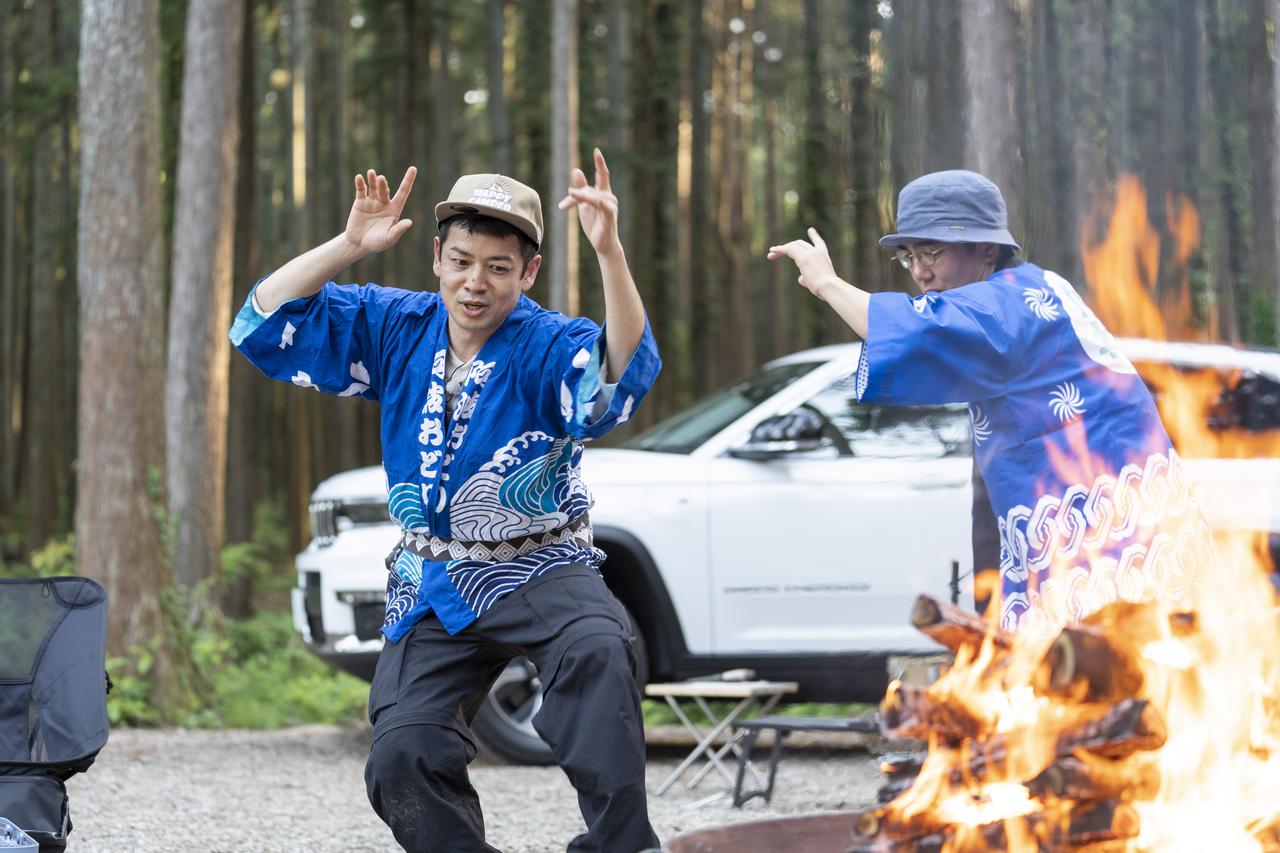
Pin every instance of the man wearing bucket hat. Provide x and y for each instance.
(486, 401)
(1088, 495)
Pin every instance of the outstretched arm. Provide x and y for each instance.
(818, 276)
(623, 309)
(373, 226)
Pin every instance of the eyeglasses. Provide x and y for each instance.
(926, 257)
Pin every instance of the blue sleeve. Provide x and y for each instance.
(937, 348)
(331, 341)
(573, 375)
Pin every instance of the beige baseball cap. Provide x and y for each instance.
(496, 196)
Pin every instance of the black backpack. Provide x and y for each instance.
(53, 697)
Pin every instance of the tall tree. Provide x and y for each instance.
(733, 73)
(200, 300)
(247, 394)
(618, 94)
(443, 161)
(46, 475)
(817, 190)
(769, 83)
(1262, 135)
(9, 321)
(1274, 10)
(121, 280)
(496, 105)
(993, 139)
(1091, 148)
(1233, 270)
(866, 144)
(562, 231)
(704, 313)
(1051, 173)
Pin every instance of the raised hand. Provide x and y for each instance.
(812, 259)
(597, 206)
(375, 224)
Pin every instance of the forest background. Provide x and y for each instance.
(157, 157)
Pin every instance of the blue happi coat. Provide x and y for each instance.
(501, 465)
(1089, 495)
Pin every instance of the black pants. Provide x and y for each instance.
(428, 687)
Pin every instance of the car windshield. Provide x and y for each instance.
(686, 430)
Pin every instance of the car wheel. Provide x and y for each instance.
(504, 722)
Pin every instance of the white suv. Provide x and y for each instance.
(778, 525)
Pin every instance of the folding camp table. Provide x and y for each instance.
(754, 698)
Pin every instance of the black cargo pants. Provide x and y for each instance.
(428, 687)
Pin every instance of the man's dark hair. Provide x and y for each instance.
(1006, 258)
(487, 226)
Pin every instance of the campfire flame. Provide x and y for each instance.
(1151, 724)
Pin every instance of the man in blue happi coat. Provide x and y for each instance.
(486, 401)
(1088, 495)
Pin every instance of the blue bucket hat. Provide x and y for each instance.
(956, 206)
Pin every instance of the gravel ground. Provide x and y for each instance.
(302, 789)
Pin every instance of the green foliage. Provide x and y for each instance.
(129, 701)
(263, 677)
(259, 561)
(57, 557)
(254, 673)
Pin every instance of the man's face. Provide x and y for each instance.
(953, 264)
(481, 279)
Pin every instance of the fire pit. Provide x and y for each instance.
(831, 832)
(1144, 727)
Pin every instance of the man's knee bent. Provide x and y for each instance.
(405, 753)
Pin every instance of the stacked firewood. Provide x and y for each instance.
(1084, 781)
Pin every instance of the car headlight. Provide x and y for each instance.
(331, 517)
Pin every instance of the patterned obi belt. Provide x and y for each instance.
(437, 549)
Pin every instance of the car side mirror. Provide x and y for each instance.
(800, 431)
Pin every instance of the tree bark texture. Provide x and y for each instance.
(993, 138)
(562, 230)
(46, 475)
(496, 106)
(121, 279)
(10, 325)
(200, 302)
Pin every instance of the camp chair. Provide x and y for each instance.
(53, 697)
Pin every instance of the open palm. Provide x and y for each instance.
(375, 224)
(597, 205)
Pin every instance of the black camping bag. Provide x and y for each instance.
(53, 697)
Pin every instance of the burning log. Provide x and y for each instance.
(1086, 764)
(1094, 826)
(1087, 778)
(1130, 726)
(1100, 820)
(912, 712)
(954, 627)
(1086, 665)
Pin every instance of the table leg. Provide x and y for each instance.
(704, 744)
(732, 743)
